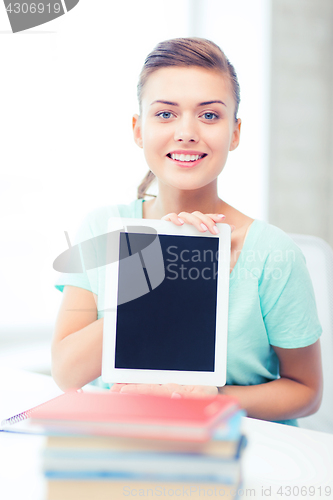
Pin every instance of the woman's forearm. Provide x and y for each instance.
(77, 359)
(280, 399)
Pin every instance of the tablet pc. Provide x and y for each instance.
(166, 304)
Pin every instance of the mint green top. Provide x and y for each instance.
(271, 298)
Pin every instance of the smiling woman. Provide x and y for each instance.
(187, 125)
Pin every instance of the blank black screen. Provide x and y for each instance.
(172, 327)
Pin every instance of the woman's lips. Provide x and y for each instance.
(186, 164)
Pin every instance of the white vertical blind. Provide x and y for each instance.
(68, 92)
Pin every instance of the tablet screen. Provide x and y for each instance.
(173, 327)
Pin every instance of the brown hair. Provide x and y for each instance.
(185, 52)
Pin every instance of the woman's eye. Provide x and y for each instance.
(165, 114)
(210, 116)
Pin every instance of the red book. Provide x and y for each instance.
(116, 414)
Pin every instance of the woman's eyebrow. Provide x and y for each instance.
(165, 102)
(206, 103)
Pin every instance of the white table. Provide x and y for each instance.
(278, 461)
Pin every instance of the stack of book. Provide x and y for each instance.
(112, 446)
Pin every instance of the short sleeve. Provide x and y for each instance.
(80, 279)
(90, 247)
(287, 299)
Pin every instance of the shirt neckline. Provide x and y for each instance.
(247, 243)
(139, 208)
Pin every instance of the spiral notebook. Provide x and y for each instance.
(15, 419)
(115, 414)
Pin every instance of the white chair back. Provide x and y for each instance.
(319, 259)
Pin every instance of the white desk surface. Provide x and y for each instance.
(278, 461)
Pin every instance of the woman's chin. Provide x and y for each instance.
(189, 185)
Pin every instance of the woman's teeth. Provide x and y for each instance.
(185, 157)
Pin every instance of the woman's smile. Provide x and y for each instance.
(186, 158)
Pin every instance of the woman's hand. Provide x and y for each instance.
(168, 390)
(203, 222)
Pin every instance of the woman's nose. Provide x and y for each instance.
(186, 131)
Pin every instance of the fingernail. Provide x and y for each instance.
(175, 395)
(205, 228)
(180, 220)
(222, 216)
(233, 228)
(215, 229)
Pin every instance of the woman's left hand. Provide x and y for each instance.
(203, 222)
(168, 390)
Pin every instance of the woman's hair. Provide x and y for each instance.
(184, 52)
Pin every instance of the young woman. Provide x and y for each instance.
(189, 95)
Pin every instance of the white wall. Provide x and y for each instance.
(68, 91)
(301, 179)
(242, 29)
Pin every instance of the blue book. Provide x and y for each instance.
(110, 465)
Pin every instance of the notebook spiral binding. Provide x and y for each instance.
(22, 416)
(16, 418)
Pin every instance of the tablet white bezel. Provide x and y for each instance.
(110, 374)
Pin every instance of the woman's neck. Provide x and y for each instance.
(170, 200)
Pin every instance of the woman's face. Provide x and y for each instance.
(187, 125)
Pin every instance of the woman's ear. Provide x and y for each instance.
(235, 135)
(137, 133)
